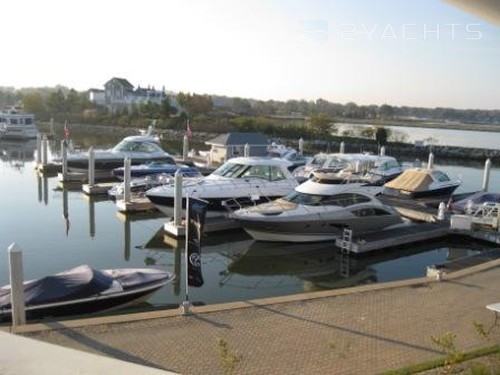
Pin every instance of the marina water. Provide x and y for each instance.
(60, 229)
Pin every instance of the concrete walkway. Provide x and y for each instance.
(362, 330)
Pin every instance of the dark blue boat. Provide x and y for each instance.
(156, 167)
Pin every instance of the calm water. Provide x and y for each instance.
(444, 137)
(60, 229)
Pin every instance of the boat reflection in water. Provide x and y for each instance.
(322, 266)
(17, 152)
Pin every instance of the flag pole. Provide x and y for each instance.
(186, 304)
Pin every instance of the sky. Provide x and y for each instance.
(424, 53)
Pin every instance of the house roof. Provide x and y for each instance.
(234, 139)
(122, 81)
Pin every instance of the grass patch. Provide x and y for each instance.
(437, 363)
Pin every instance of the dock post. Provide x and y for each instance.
(64, 154)
(185, 146)
(486, 177)
(441, 211)
(382, 151)
(430, 162)
(126, 180)
(301, 146)
(246, 150)
(91, 166)
(16, 283)
(177, 198)
(342, 147)
(45, 147)
(38, 149)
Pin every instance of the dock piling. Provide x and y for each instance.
(126, 180)
(45, 147)
(177, 198)
(91, 166)
(246, 150)
(486, 177)
(16, 283)
(38, 149)
(342, 147)
(382, 151)
(185, 147)
(301, 146)
(430, 162)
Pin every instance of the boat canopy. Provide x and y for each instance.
(413, 180)
(79, 282)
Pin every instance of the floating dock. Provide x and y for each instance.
(394, 237)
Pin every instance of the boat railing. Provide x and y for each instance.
(487, 214)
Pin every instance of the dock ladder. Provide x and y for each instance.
(345, 250)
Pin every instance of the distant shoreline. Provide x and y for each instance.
(424, 124)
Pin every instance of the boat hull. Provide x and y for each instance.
(313, 227)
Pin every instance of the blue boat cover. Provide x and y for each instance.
(79, 282)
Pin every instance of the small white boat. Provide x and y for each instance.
(16, 124)
(84, 290)
(238, 183)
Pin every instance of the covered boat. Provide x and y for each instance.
(85, 290)
(421, 183)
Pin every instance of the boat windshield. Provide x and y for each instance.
(235, 170)
(342, 199)
(134, 146)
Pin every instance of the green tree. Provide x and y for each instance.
(166, 109)
(56, 104)
(381, 135)
(34, 102)
(386, 111)
(322, 125)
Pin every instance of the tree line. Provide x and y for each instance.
(218, 114)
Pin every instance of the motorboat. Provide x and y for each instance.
(139, 149)
(139, 185)
(279, 150)
(341, 168)
(317, 211)
(157, 167)
(239, 182)
(17, 124)
(415, 183)
(472, 201)
(83, 290)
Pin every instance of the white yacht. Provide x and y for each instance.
(350, 168)
(16, 124)
(139, 149)
(317, 211)
(238, 183)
